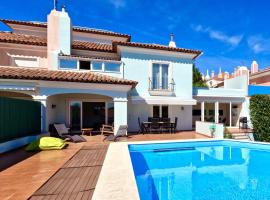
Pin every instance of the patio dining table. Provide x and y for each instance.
(161, 125)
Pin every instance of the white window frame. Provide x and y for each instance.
(13, 57)
(91, 65)
(170, 74)
(94, 70)
(77, 62)
(160, 110)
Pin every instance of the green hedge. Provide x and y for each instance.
(260, 116)
(18, 118)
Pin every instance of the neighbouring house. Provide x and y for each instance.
(86, 77)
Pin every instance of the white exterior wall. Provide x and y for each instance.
(184, 114)
(138, 67)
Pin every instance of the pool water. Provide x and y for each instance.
(202, 170)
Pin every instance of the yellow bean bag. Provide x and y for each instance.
(46, 143)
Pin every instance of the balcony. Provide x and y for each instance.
(161, 88)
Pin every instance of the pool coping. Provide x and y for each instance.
(117, 180)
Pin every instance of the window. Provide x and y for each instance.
(155, 111)
(85, 65)
(165, 112)
(161, 111)
(97, 66)
(68, 64)
(25, 61)
(112, 67)
(196, 112)
(160, 75)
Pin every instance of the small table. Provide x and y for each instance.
(86, 131)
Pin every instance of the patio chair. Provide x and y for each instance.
(166, 127)
(142, 128)
(63, 132)
(107, 129)
(243, 123)
(121, 132)
(155, 126)
(174, 125)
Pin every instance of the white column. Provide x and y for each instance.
(230, 114)
(216, 112)
(120, 113)
(43, 101)
(202, 111)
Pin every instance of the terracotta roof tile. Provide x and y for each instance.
(92, 46)
(42, 41)
(63, 75)
(156, 46)
(75, 28)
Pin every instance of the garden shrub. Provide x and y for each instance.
(260, 117)
(227, 134)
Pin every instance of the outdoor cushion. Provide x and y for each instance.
(46, 143)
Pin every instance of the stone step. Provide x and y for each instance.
(241, 137)
(239, 134)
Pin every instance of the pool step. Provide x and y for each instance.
(240, 136)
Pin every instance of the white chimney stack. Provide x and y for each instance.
(254, 67)
(172, 43)
(58, 36)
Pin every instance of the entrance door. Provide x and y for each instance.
(93, 114)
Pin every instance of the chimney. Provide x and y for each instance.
(212, 74)
(58, 36)
(172, 43)
(254, 67)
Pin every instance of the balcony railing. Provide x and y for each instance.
(161, 87)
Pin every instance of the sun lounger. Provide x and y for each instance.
(121, 132)
(63, 132)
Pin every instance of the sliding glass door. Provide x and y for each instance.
(93, 114)
(75, 115)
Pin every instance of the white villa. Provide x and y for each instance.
(86, 77)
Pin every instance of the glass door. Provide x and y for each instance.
(93, 114)
(160, 73)
(155, 77)
(75, 115)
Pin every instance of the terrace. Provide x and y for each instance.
(63, 173)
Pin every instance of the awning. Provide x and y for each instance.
(163, 100)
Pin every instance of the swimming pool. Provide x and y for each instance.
(202, 170)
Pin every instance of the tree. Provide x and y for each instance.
(197, 78)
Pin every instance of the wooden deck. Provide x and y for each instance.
(77, 178)
(29, 174)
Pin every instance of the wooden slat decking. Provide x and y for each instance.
(77, 178)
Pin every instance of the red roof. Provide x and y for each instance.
(156, 46)
(42, 41)
(75, 28)
(60, 75)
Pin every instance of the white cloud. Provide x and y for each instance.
(218, 35)
(259, 44)
(118, 3)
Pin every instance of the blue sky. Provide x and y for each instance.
(230, 33)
